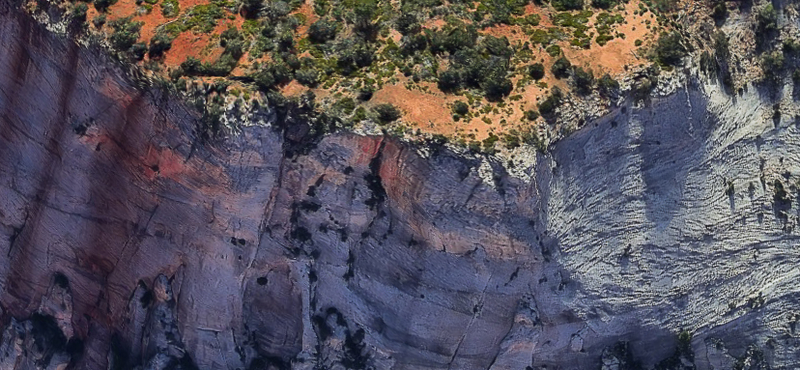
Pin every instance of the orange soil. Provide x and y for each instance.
(307, 9)
(428, 110)
(184, 45)
(618, 53)
(293, 89)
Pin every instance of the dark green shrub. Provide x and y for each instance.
(553, 50)
(407, 24)
(561, 67)
(452, 38)
(138, 50)
(191, 66)
(386, 113)
(282, 72)
(292, 61)
(562, 5)
(221, 67)
(603, 4)
(264, 79)
(346, 105)
(670, 49)
(362, 17)
(511, 141)
(78, 13)
(322, 31)
(720, 11)
(721, 45)
(603, 39)
(582, 80)
(233, 42)
(536, 71)
(99, 20)
(767, 18)
(307, 76)
(365, 94)
(125, 34)
(461, 108)
(531, 115)
(496, 85)
(170, 8)
(607, 85)
(497, 46)
(160, 43)
(285, 40)
(103, 5)
(414, 43)
(360, 114)
(772, 63)
(449, 80)
(488, 143)
(353, 54)
(643, 87)
(548, 106)
(276, 10)
(252, 8)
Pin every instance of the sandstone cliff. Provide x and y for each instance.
(129, 243)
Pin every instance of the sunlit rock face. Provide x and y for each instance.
(130, 243)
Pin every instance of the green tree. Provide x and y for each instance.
(138, 50)
(582, 80)
(125, 34)
(536, 71)
(362, 17)
(767, 18)
(459, 107)
(563, 5)
(78, 13)
(561, 67)
(603, 4)
(386, 113)
(103, 5)
(407, 24)
(322, 31)
(548, 106)
(449, 80)
(307, 76)
(496, 85)
(170, 8)
(607, 85)
(160, 43)
(251, 8)
(670, 49)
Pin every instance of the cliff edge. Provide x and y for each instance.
(131, 243)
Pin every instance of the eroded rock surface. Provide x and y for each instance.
(129, 243)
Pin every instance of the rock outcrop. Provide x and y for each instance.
(130, 243)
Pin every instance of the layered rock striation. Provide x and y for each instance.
(128, 242)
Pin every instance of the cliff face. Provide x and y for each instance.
(128, 242)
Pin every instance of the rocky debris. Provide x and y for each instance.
(717, 355)
(516, 349)
(33, 344)
(753, 359)
(618, 357)
(44, 340)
